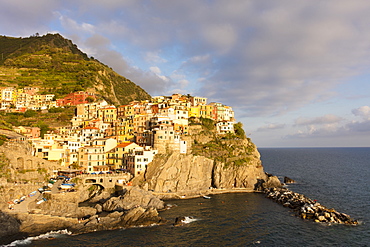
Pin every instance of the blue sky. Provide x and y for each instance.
(295, 72)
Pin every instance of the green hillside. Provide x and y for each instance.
(57, 66)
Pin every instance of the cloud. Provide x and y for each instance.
(355, 129)
(271, 127)
(196, 65)
(73, 26)
(327, 119)
(154, 57)
(329, 126)
(363, 111)
(284, 58)
(24, 18)
(359, 127)
(157, 71)
(100, 47)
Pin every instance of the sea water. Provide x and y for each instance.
(336, 177)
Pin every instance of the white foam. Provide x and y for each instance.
(188, 219)
(49, 235)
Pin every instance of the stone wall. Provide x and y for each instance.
(23, 167)
(24, 173)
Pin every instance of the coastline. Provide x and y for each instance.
(74, 225)
(36, 224)
(195, 194)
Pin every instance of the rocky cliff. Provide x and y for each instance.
(213, 161)
(79, 212)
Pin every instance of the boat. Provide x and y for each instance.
(66, 186)
(206, 197)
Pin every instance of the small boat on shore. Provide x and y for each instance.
(206, 197)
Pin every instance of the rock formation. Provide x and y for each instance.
(213, 161)
(133, 197)
(307, 208)
(179, 172)
(78, 213)
(186, 173)
(288, 180)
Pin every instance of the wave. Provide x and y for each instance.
(188, 219)
(49, 235)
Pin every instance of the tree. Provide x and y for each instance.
(30, 113)
(90, 99)
(74, 165)
(239, 131)
(44, 128)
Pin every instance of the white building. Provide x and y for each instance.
(225, 127)
(137, 161)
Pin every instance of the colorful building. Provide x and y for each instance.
(76, 98)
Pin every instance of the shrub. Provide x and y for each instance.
(30, 113)
(239, 131)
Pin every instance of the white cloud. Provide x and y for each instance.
(157, 71)
(271, 127)
(327, 119)
(363, 111)
(154, 57)
(74, 26)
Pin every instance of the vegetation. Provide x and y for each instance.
(230, 149)
(55, 117)
(41, 170)
(239, 131)
(57, 66)
(4, 164)
(2, 139)
(208, 124)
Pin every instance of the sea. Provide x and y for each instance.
(336, 177)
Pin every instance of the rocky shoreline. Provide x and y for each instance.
(307, 208)
(79, 214)
(137, 207)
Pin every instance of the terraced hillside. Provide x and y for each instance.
(56, 65)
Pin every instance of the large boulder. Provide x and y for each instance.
(288, 180)
(9, 226)
(141, 217)
(133, 197)
(272, 182)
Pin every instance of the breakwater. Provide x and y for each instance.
(307, 208)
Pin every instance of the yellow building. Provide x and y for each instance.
(123, 129)
(206, 111)
(108, 114)
(194, 112)
(116, 155)
(125, 111)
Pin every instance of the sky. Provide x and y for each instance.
(296, 73)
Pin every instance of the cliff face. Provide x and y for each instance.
(186, 173)
(217, 161)
(179, 172)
